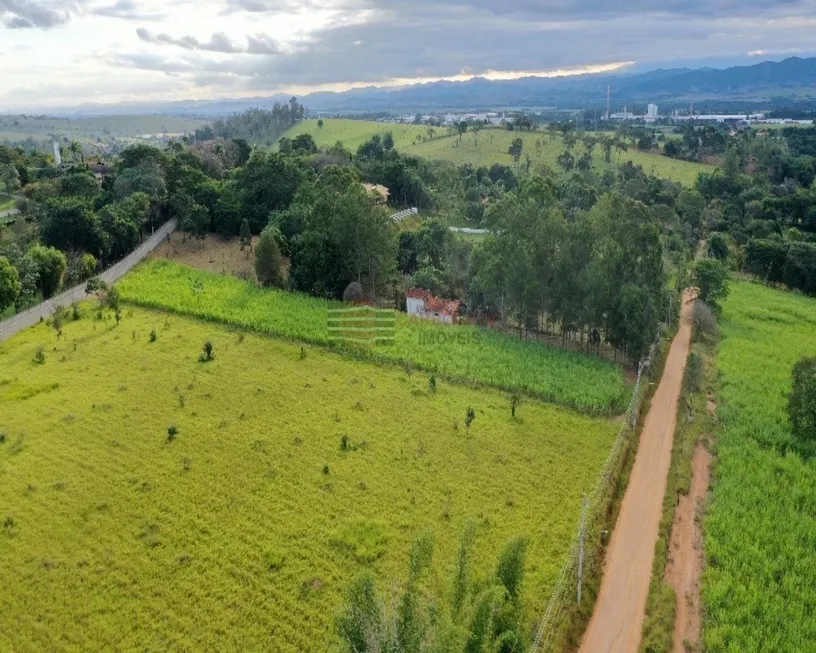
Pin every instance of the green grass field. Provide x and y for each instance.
(234, 535)
(463, 352)
(488, 147)
(759, 590)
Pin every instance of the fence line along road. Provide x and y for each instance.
(32, 316)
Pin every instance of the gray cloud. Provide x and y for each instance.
(259, 44)
(20, 14)
(218, 42)
(263, 44)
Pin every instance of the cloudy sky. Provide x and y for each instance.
(67, 52)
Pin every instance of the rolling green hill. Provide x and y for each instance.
(486, 148)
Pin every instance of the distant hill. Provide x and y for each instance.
(765, 85)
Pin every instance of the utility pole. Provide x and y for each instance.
(608, 93)
(581, 539)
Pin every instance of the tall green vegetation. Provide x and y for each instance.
(802, 401)
(466, 353)
(476, 616)
(10, 285)
(599, 272)
(759, 532)
(257, 126)
(268, 260)
(710, 278)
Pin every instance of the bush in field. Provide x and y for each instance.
(58, 319)
(172, 432)
(470, 416)
(703, 320)
(207, 353)
(153, 336)
(39, 355)
(802, 400)
(268, 260)
(353, 293)
(245, 236)
(515, 402)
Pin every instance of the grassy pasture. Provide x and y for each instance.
(231, 536)
(760, 533)
(354, 133)
(488, 147)
(468, 353)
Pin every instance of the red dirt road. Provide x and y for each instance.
(617, 621)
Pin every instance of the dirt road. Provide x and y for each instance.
(617, 621)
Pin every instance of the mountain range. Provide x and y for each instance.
(790, 83)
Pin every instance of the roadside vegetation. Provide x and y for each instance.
(267, 476)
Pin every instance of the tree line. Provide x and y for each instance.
(257, 126)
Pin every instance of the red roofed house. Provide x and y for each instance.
(421, 303)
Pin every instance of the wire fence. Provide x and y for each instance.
(31, 316)
(594, 515)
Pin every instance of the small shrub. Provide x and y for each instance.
(344, 445)
(2, 438)
(470, 416)
(172, 432)
(515, 402)
(432, 384)
(9, 524)
(694, 373)
(326, 470)
(75, 314)
(302, 353)
(182, 400)
(207, 353)
(153, 336)
(365, 539)
(39, 355)
(703, 320)
(802, 400)
(274, 558)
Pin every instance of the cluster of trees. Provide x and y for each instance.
(598, 272)
(257, 126)
(761, 207)
(698, 143)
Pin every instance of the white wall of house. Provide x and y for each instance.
(415, 306)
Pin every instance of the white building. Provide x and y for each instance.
(421, 303)
(651, 111)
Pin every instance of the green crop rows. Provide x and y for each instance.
(242, 530)
(464, 353)
(760, 584)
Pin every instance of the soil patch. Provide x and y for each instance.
(686, 558)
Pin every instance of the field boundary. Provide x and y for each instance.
(596, 507)
(33, 315)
